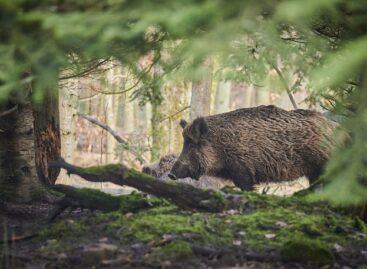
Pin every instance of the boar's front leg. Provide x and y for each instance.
(242, 178)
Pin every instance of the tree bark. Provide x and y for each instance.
(29, 140)
(18, 171)
(47, 137)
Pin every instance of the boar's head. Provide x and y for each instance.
(161, 168)
(198, 156)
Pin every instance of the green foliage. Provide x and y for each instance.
(320, 43)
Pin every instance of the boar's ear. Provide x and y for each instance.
(183, 123)
(199, 128)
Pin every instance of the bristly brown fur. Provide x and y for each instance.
(256, 145)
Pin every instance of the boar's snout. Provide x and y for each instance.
(147, 170)
(179, 170)
(172, 176)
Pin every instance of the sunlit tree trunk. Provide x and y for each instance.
(112, 102)
(222, 97)
(156, 131)
(68, 106)
(141, 119)
(156, 128)
(200, 94)
(128, 115)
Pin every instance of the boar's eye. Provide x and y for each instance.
(189, 142)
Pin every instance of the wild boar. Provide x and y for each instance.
(255, 145)
(161, 168)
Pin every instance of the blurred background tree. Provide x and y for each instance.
(161, 50)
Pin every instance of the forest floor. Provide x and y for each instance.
(273, 232)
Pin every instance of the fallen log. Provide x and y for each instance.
(183, 195)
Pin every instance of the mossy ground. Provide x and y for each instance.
(293, 228)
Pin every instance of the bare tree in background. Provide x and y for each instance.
(201, 93)
(222, 97)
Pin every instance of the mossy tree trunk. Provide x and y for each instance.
(29, 140)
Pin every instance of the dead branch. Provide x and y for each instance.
(180, 194)
(282, 79)
(284, 82)
(115, 135)
(8, 112)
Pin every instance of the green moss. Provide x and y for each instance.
(176, 251)
(148, 227)
(217, 198)
(360, 225)
(137, 201)
(131, 173)
(266, 215)
(103, 169)
(54, 247)
(95, 198)
(306, 251)
(64, 229)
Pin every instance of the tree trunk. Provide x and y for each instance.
(29, 139)
(156, 127)
(47, 136)
(112, 83)
(68, 122)
(222, 97)
(200, 95)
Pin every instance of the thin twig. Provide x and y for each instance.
(118, 92)
(285, 84)
(114, 134)
(104, 126)
(89, 97)
(293, 39)
(140, 77)
(86, 71)
(174, 114)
